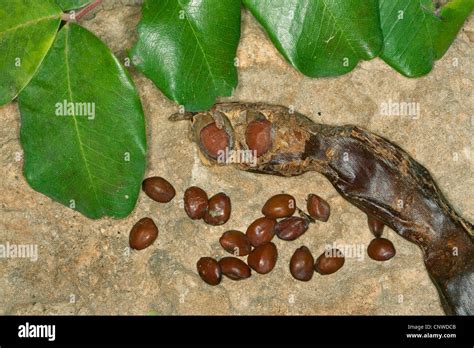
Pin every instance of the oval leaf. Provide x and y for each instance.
(416, 34)
(27, 31)
(452, 15)
(82, 128)
(188, 47)
(67, 5)
(321, 37)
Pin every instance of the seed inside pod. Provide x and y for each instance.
(318, 208)
(381, 249)
(329, 262)
(301, 264)
(368, 171)
(214, 140)
(258, 136)
(279, 206)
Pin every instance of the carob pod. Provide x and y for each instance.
(372, 173)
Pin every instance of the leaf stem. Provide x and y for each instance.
(87, 9)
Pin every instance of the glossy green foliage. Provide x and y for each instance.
(321, 37)
(27, 31)
(416, 34)
(67, 5)
(82, 128)
(188, 49)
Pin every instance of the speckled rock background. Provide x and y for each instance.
(85, 266)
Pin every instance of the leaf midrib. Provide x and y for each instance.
(425, 12)
(340, 28)
(29, 23)
(68, 78)
(199, 44)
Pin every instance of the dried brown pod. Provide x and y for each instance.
(357, 163)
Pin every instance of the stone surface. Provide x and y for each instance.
(85, 266)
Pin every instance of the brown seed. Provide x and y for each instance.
(261, 231)
(258, 136)
(158, 189)
(143, 234)
(234, 268)
(279, 206)
(381, 249)
(291, 228)
(375, 226)
(263, 258)
(329, 262)
(195, 202)
(235, 242)
(209, 270)
(218, 210)
(214, 140)
(301, 264)
(318, 208)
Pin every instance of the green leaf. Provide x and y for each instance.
(187, 48)
(27, 31)
(67, 5)
(453, 16)
(321, 37)
(415, 36)
(91, 161)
